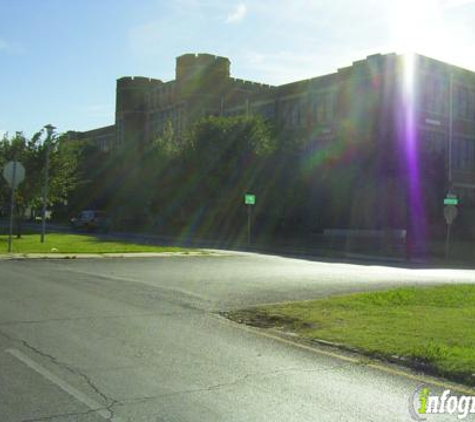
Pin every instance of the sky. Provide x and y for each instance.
(59, 59)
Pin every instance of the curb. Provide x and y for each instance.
(19, 256)
(406, 362)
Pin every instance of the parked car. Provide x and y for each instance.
(38, 218)
(91, 220)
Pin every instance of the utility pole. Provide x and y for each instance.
(49, 131)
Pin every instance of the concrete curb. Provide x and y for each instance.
(16, 256)
(461, 382)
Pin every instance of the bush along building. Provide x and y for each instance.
(382, 141)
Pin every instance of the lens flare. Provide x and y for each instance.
(409, 147)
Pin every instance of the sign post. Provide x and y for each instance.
(250, 201)
(14, 174)
(450, 214)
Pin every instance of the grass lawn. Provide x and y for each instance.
(433, 327)
(76, 243)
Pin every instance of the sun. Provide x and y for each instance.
(431, 28)
(415, 25)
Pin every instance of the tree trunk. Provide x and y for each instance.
(18, 228)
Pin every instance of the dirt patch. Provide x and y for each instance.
(265, 320)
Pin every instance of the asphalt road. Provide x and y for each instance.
(140, 340)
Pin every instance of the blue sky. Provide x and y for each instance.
(59, 59)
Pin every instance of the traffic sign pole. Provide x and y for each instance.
(450, 214)
(249, 218)
(14, 174)
(12, 207)
(447, 242)
(250, 201)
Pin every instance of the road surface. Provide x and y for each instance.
(141, 340)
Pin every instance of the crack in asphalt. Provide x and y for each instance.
(110, 402)
(113, 403)
(239, 380)
(62, 415)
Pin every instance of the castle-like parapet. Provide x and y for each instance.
(137, 82)
(133, 93)
(191, 66)
(253, 86)
(374, 63)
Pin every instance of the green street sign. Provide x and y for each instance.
(451, 201)
(249, 199)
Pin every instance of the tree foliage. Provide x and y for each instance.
(32, 154)
(193, 183)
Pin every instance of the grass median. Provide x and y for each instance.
(79, 244)
(430, 328)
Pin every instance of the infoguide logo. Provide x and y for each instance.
(423, 403)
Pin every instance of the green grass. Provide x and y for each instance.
(75, 243)
(431, 325)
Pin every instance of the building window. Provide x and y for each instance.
(463, 153)
(434, 91)
(464, 102)
(434, 141)
(267, 110)
(322, 106)
(292, 113)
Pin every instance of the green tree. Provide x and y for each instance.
(224, 158)
(32, 154)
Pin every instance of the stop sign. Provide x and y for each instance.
(14, 173)
(450, 213)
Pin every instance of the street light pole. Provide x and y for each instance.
(49, 131)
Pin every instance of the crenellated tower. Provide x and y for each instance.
(202, 81)
(132, 103)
